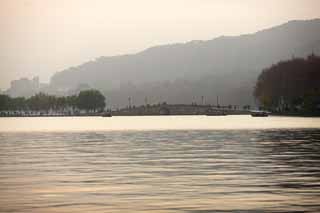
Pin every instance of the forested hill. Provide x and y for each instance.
(291, 86)
(225, 66)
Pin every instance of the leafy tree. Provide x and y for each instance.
(18, 104)
(91, 100)
(72, 101)
(4, 102)
(40, 102)
(290, 85)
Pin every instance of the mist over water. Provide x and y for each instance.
(266, 170)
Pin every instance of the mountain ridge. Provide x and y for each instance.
(241, 57)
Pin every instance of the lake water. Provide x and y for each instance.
(160, 164)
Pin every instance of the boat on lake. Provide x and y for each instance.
(107, 114)
(258, 113)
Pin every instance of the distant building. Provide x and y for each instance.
(24, 87)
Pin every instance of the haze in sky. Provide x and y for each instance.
(41, 37)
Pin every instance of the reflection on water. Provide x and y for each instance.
(67, 124)
(161, 171)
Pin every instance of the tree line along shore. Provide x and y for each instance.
(289, 87)
(86, 103)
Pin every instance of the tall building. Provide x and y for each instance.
(24, 87)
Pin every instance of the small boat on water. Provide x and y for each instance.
(258, 113)
(107, 114)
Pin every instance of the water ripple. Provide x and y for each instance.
(161, 171)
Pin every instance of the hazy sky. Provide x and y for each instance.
(41, 37)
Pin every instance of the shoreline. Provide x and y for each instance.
(145, 115)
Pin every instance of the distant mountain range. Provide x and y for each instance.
(226, 66)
